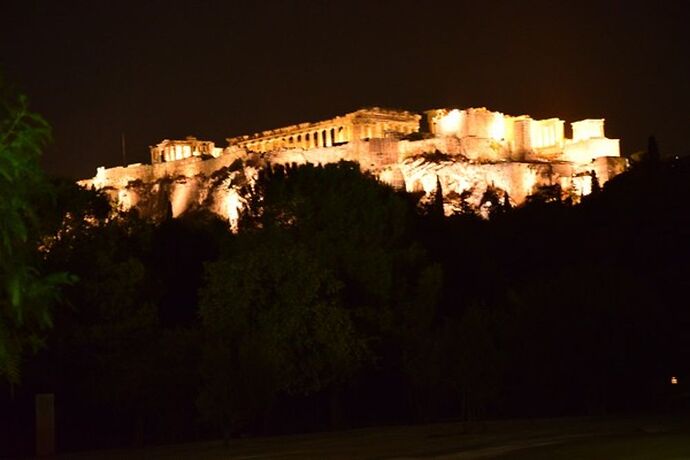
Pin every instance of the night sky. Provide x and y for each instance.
(157, 70)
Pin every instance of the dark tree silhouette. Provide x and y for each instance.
(653, 155)
(437, 205)
(26, 294)
(596, 187)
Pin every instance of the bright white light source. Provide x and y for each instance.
(498, 127)
(233, 205)
(450, 123)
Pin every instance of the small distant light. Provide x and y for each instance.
(674, 380)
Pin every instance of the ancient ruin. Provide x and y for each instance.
(466, 151)
(363, 124)
(168, 150)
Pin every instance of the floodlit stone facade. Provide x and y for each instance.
(522, 138)
(168, 150)
(466, 151)
(360, 125)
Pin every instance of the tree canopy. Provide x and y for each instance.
(26, 294)
(341, 302)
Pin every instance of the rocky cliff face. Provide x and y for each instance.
(465, 174)
(220, 192)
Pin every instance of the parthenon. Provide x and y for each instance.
(360, 125)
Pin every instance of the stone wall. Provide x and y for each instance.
(586, 150)
(121, 176)
(474, 149)
(493, 136)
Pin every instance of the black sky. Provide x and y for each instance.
(157, 70)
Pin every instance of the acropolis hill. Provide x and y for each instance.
(465, 151)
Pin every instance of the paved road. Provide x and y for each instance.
(439, 441)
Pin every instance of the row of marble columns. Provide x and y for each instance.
(324, 137)
(547, 133)
(327, 136)
(179, 151)
(175, 152)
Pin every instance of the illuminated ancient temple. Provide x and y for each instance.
(363, 124)
(171, 150)
(465, 151)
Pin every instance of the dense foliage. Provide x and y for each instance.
(26, 293)
(339, 303)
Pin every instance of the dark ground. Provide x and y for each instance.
(590, 438)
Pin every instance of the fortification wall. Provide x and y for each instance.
(119, 176)
(300, 156)
(448, 145)
(584, 151)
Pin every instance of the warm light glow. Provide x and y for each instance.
(180, 197)
(449, 124)
(588, 129)
(498, 127)
(546, 133)
(674, 380)
(233, 206)
(529, 180)
(100, 179)
(468, 150)
(124, 200)
(582, 185)
(584, 151)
